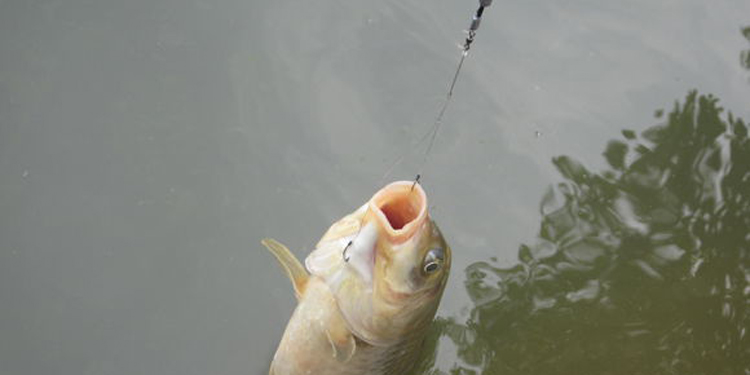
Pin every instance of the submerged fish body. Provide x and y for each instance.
(369, 291)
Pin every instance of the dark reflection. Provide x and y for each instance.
(640, 269)
(745, 55)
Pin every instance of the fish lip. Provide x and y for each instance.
(401, 209)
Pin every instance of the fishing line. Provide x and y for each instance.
(433, 131)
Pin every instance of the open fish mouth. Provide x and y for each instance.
(395, 213)
(400, 208)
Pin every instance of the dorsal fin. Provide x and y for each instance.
(293, 268)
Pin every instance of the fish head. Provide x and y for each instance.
(386, 264)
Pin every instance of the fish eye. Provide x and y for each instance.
(433, 260)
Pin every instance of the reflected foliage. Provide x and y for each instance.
(745, 55)
(639, 269)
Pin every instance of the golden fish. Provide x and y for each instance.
(374, 283)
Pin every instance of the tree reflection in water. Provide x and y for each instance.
(745, 55)
(640, 269)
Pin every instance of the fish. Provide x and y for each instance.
(368, 292)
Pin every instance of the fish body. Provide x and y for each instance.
(369, 290)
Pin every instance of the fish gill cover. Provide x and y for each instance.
(640, 269)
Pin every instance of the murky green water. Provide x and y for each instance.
(147, 146)
(641, 268)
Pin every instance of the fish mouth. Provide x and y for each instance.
(401, 209)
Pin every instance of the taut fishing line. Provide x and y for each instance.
(432, 133)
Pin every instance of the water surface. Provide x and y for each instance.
(642, 268)
(147, 146)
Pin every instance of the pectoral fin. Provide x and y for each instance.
(293, 268)
(342, 341)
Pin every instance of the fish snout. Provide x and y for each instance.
(400, 209)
